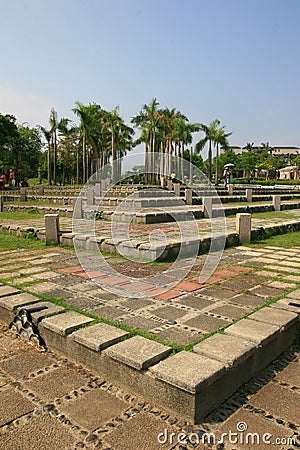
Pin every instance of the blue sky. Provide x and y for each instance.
(235, 60)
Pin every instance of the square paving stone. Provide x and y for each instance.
(43, 432)
(99, 336)
(109, 312)
(66, 322)
(267, 292)
(218, 292)
(290, 374)
(227, 349)
(238, 284)
(248, 300)
(169, 312)
(94, 409)
(12, 406)
(26, 362)
(55, 383)
(195, 301)
(206, 323)
(7, 290)
(138, 352)
(188, 371)
(230, 311)
(278, 401)
(253, 331)
(178, 336)
(282, 285)
(257, 426)
(17, 301)
(136, 303)
(50, 308)
(294, 294)
(141, 433)
(40, 288)
(140, 322)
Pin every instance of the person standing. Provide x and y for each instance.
(12, 181)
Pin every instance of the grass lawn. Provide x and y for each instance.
(12, 242)
(287, 240)
(19, 215)
(275, 215)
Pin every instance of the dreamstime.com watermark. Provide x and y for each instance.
(240, 436)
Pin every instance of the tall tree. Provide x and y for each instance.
(210, 136)
(121, 137)
(221, 138)
(53, 129)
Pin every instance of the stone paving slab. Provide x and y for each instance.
(14, 301)
(285, 403)
(50, 308)
(227, 349)
(7, 290)
(138, 352)
(13, 405)
(66, 322)
(282, 319)
(99, 336)
(290, 374)
(243, 422)
(21, 365)
(55, 383)
(43, 432)
(93, 409)
(126, 436)
(188, 371)
(252, 331)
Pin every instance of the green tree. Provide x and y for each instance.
(210, 137)
(121, 139)
(221, 138)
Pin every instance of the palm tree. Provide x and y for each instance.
(210, 135)
(220, 139)
(47, 135)
(121, 137)
(147, 121)
(249, 146)
(84, 114)
(53, 130)
(68, 143)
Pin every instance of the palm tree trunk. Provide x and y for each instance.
(54, 157)
(77, 166)
(83, 160)
(217, 166)
(209, 161)
(114, 161)
(49, 163)
(191, 165)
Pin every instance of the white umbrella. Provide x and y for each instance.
(228, 165)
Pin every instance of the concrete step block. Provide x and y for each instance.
(269, 339)
(227, 349)
(287, 304)
(189, 384)
(7, 290)
(188, 371)
(138, 352)
(8, 304)
(65, 323)
(253, 331)
(98, 337)
(282, 319)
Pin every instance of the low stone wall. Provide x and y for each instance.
(187, 384)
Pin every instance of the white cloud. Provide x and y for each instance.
(25, 106)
